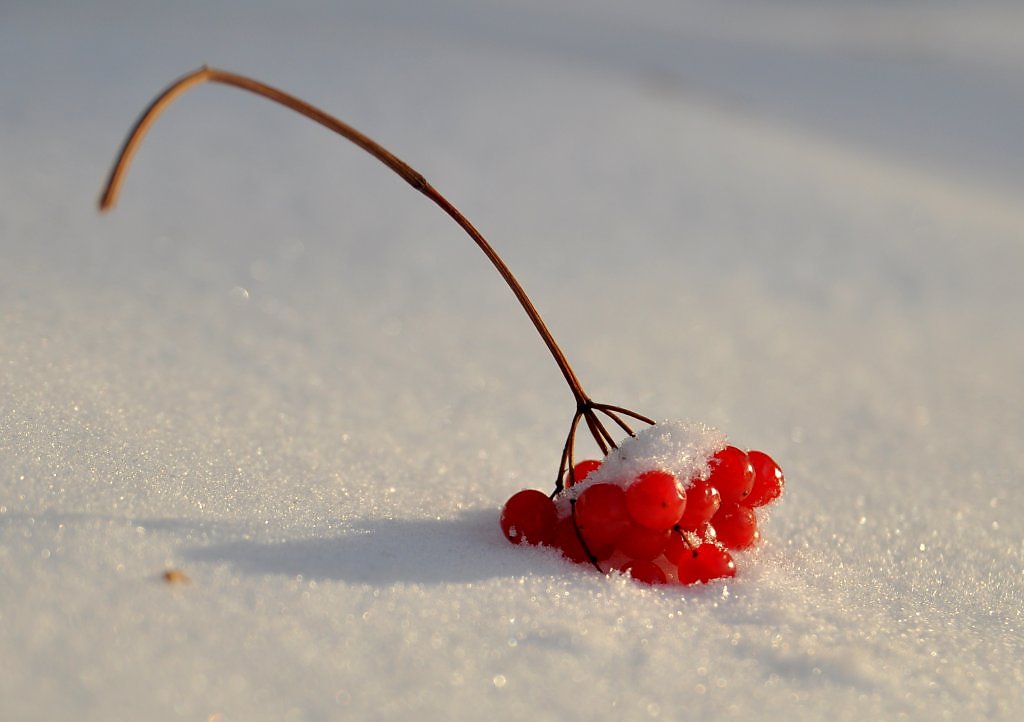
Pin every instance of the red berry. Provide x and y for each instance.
(644, 571)
(732, 474)
(702, 501)
(568, 542)
(675, 547)
(768, 479)
(705, 563)
(656, 500)
(639, 542)
(601, 513)
(580, 471)
(529, 516)
(736, 526)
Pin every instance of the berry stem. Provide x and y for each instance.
(583, 542)
(585, 408)
(403, 169)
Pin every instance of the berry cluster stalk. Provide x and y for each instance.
(586, 409)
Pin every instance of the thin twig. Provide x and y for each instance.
(403, 169)
(617, 419)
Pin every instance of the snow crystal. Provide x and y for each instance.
(682, 448)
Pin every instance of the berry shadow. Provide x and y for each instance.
(468, 548)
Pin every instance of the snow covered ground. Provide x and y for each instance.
(278, 369)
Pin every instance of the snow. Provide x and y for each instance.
(277, 369)
(682, 448)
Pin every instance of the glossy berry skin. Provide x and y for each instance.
(580, 471)
(675, 547)
(601, 514)
(644, 571)
(736, 526)
(705, 563)
(529, 516)
(702, 501)
(679, 544)
(768, 479)
(642, 544)
(568, 542)
(656, 500)
(732, 474)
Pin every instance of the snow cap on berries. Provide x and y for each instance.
(682, 448)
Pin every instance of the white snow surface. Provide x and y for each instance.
(281, 371)
(682, 448)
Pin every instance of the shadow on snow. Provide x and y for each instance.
(420, 551)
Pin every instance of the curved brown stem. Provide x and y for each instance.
(606, 408)
(585, 408)
(403, 169)
(618, 420)
(566, 464)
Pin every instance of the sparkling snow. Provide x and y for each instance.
(682, 448)
(280, 371)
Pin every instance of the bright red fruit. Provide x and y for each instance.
(702, 501)
(656, 500)
(568, 542)
(705, 563)
(529, 516)
(675, 547)
(736, 526)
(581, 470)
(644, 571)
(641, 543)
(601, 514)
(768, 479)
(732, 474)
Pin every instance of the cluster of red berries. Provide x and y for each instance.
(654, 527)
